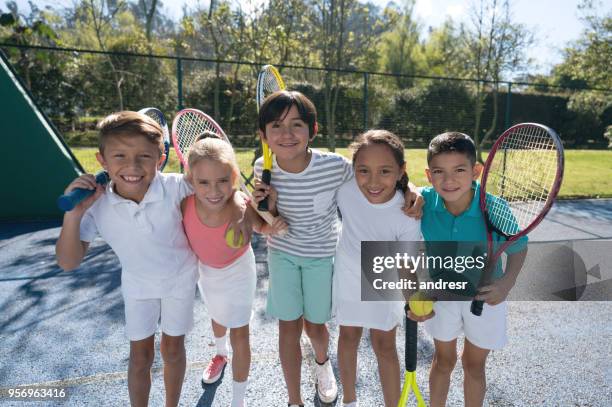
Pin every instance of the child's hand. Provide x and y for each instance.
(263, 190)
(278, 227)
(85, 181)
(413, 203)
(496, 292)
(415, 318)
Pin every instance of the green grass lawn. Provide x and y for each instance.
(588, 173)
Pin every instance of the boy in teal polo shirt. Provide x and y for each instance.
(452, 213)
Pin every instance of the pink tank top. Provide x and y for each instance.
(208, 243)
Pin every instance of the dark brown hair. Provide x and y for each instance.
(386, 138)
(452, 142)
(128, 123)
(276, 106)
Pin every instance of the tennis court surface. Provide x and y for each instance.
(66, 330)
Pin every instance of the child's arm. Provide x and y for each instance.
(239, 222)
(497, 291)
(413, 202)
(70, 249)
(278, 226)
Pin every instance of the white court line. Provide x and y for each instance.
(117, 376)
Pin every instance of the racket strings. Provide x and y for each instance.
(268, 82)
(190, 126)
(521, 177)
(159, 119)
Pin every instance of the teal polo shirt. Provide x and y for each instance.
(438, 224)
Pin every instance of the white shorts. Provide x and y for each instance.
(142, 316)
(229, 292)
(488, 331)
(382, 315)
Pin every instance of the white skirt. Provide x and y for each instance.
(382, 315)
(228, 292)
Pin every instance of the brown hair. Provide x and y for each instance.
(277, 104)
(128, 123)
(452, 142)
(386, 138)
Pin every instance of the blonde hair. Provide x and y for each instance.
(128, 123)
(215, 149)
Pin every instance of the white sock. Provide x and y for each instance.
(222, 345)
(351, 404)
(238, 392)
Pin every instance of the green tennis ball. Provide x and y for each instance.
(420, 305)
(229, 239)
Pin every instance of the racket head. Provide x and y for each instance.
(187, 126)
(158, 116)
(269, 81)
(521, 179)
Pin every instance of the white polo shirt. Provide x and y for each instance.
(148, 238)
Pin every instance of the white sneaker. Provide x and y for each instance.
(327, 389)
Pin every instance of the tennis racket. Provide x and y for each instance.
(187, 126)
(158, 116)
(410, 358)
(520, 181)
(68, 201)
(268, 82)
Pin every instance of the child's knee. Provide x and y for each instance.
(142, 358)
(350, 336)
(172, 349)
(473, 368)
(384, 348)
(239, 336)
(290, 330)
(314, 330)
(444, 363)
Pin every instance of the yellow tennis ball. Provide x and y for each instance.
(229, 239)
(420, 305)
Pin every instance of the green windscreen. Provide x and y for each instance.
(37, 164)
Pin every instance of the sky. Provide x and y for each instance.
(554, 22)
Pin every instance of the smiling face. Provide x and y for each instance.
(131, 162)
(377, 173)
(288, 139)
(451, 175)
(213, 184)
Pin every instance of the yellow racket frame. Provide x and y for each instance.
(266, 152)
(410, 385)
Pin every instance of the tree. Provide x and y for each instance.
(101, 14)
(494, 47)
(441, 53)
(27, 30)
(401, 44)
(587, 61)
(340, 45)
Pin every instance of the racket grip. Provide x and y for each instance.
(68, 201)
(410, 353)
(266, 177)
(476, 307)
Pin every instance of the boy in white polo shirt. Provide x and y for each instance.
(138, 214)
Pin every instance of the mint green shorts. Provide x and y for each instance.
(299, 286)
